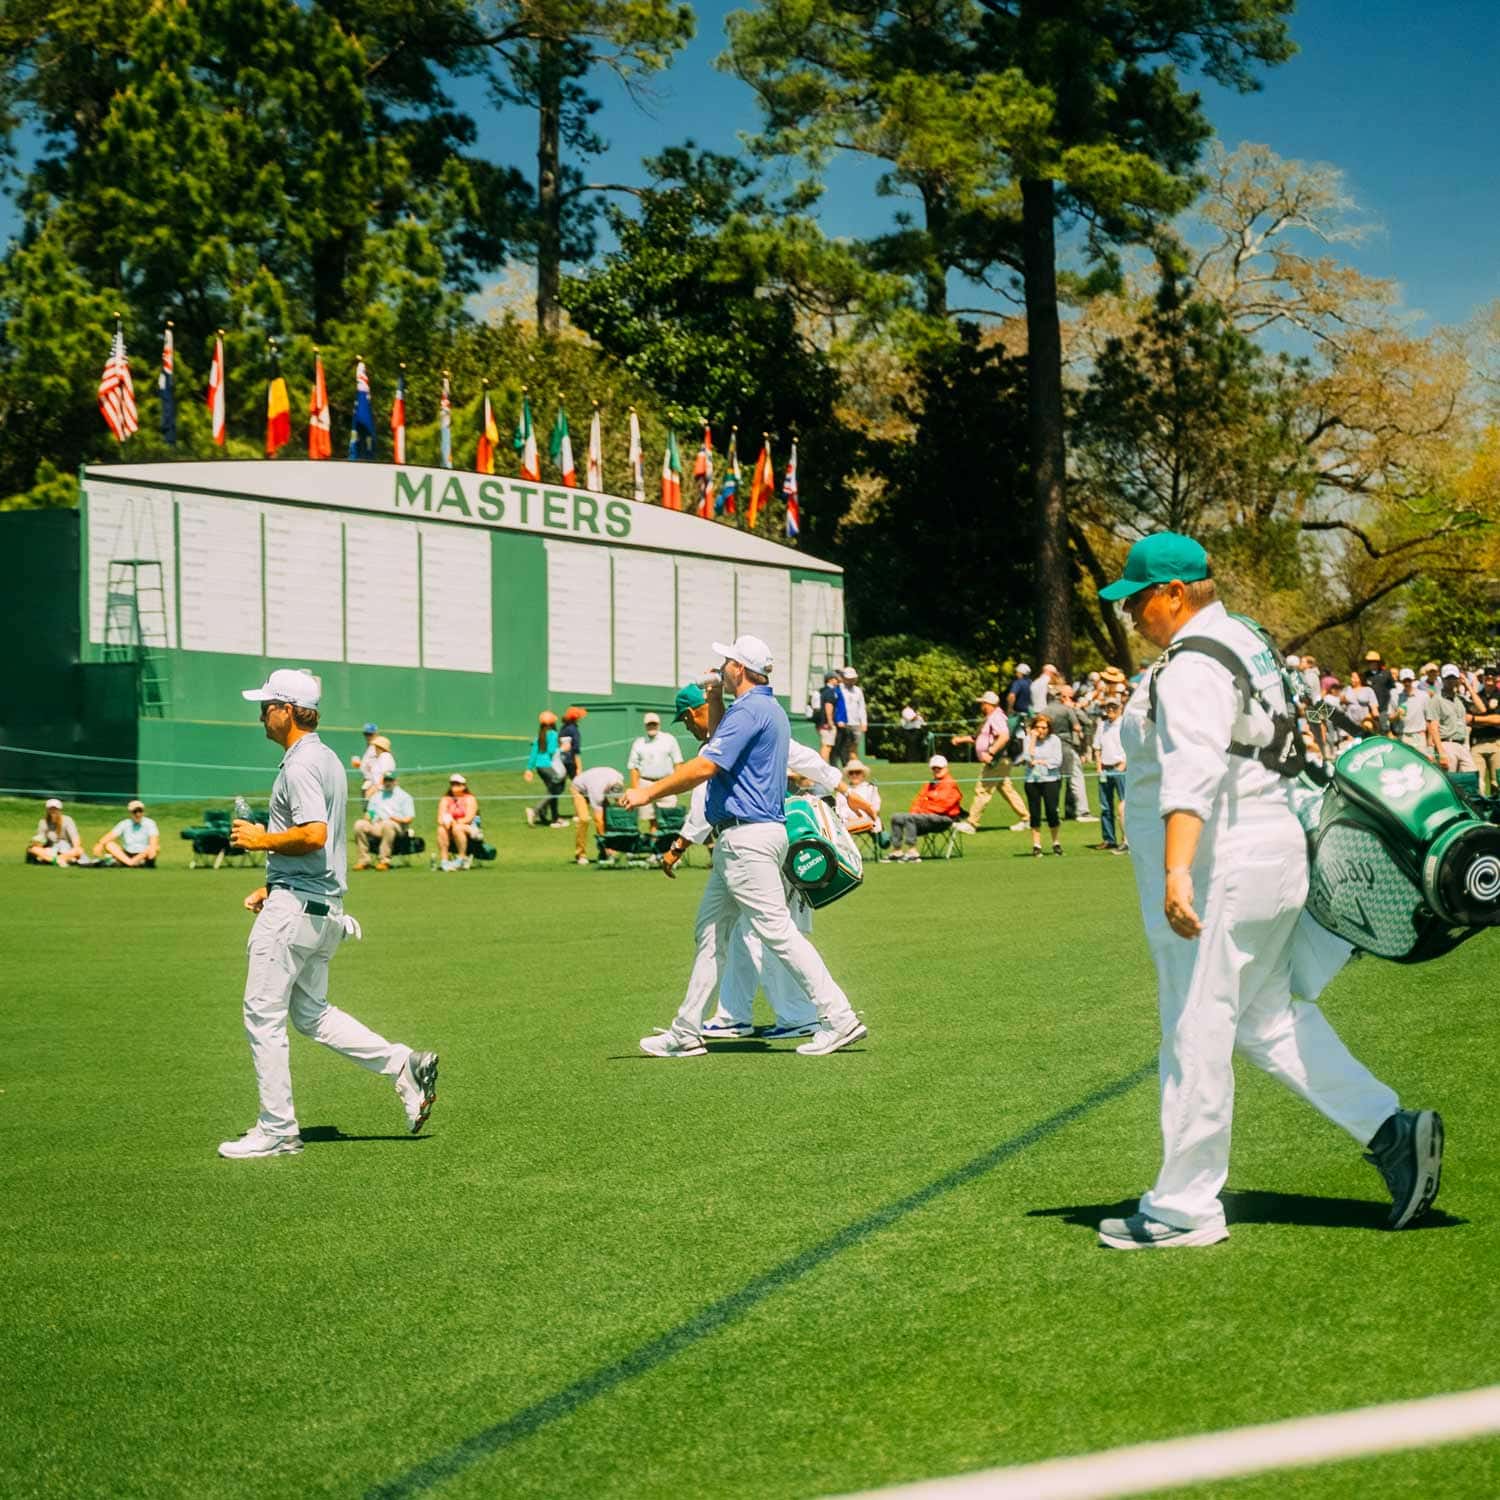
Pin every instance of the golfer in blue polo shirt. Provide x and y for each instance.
(744, 763)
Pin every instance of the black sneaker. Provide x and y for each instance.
(1408, 1151)
(1057, 848)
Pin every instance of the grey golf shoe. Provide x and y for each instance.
(1408, 1152)
(416, 1084)
(1141, 1232)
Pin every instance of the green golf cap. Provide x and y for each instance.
(688, 698)
(1159, 559)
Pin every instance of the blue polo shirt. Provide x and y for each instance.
(749, 747)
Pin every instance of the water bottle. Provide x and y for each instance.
(242, 811)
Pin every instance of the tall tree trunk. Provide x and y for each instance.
(549, 187)
(934, 276)
(1044, 413)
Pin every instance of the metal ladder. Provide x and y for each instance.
(135, 628)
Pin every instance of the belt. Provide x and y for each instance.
(724, 823)
(1118, 767)
(312, 908)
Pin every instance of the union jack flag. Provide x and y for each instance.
(117, 391)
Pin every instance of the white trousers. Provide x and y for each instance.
(750, 965)
(1231, 988)
(746, 882)
(288, 975)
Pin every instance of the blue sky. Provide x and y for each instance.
(1399, 94)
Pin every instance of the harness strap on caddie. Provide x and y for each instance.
(1284, 754)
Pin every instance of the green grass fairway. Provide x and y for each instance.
(748, 1275)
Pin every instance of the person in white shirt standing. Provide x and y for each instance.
(652, 756)
(856, 718)
(1215, 833)
(1109, 762)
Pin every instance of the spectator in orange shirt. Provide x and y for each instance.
(933, 810)
(456, 814)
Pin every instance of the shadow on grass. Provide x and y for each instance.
(749, 1044)
(1251, 1206)
(325, 1135)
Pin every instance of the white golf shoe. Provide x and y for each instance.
(830, 1038)
(1141, 1232)
(717, 1029)
(416, 1087)
(258, 1142)
(670, 1042)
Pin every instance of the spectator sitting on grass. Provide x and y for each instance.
(134, 842)
(388, 814)
(859, 807)
(56, 840)
(456, 814)
(935, 809)
(591, 788)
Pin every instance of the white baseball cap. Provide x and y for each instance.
(54, 802)
(1407, 675)
(938, 762)
(653, 719)
(1449, 670)
(1294, 661)
(1022, 670)
(288, 685)
(991, 698)
(749, 651)
(459, 777)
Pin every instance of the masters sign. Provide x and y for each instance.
(502, 502)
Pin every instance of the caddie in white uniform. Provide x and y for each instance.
(744, 765)
(1221, 867)
(652, 756)
(300, 923)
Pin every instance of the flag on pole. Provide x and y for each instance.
(637, 460)
(215, 398)
(671, 475)
(319, 421)
(560, 446)
(445, 424)
(278, 408)
(398, 420)
(166, 388)
(789, 494)
(117, 390)
(703, 473)
(762, 483)
(489, 436)
(524, 441)
(596, 452)
(362, 436)
(726, 502)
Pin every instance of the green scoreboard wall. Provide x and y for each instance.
(450, 608)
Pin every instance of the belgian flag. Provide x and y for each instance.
(278, 408)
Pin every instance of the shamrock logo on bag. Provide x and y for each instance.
(1405, 782)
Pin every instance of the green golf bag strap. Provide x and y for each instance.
(1284, 755)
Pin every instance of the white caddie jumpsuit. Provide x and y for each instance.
(1231, 986)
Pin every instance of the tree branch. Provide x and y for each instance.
(1354, 611)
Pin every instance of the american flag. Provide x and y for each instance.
(117, 391)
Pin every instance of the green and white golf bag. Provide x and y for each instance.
(822, 860)
(1400, 865)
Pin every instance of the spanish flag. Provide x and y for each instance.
(763, 484)
(278, 409)
(489, 437)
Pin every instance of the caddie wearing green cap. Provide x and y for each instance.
(1221, 867)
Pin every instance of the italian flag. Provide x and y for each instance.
(524, 442)
(671, 475)
(560, 446)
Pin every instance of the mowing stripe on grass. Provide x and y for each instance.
(1178, 1462)
(729, 1309)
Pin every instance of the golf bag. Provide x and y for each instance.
(822, 862)
(1400, 865)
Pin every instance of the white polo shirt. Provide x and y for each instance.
(654, 756)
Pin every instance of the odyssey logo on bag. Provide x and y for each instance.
(1403, 783)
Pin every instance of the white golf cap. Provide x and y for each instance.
(54, 802)
(1022, 670)
(908, 713)
(938, 762)
(1449, 670)
(652, 719)
(135, 803)
(1407, 675)
(749, 651)
(288, 685)
(854, 763)
(459, 777)
(991, 698)
(850, 673)
(1294, 661)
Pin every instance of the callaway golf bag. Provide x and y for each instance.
(822, 862)
(1400, 865)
